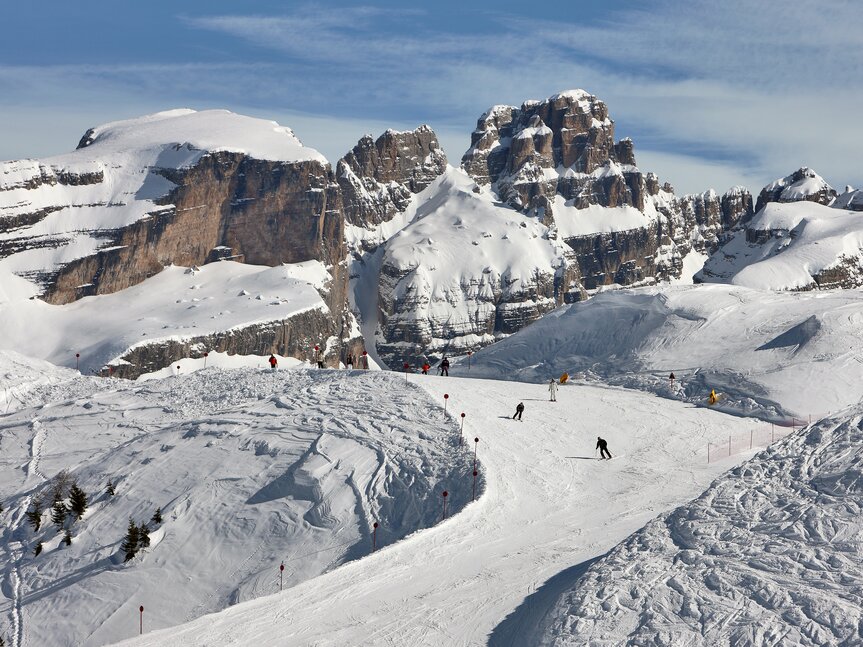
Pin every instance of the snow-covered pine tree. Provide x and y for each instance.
(67, 538)
(157, 516)
(59, 511)
(34, 514)
(130, 542)
(77, 500)
(143, 536)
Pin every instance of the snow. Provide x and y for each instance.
(545, 506)
(802, 240)
(177, 304)
(572, 222)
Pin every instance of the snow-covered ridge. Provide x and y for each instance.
(207, 130)
(178, 303)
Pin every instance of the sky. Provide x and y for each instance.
(714, 94)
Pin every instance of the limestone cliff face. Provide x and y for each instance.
(557, 159)
(132, 201)
(378, 177)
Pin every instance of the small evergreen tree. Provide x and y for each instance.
(34, 514)
(130, 542)
(143, 536)
(67, 538)
(37, 549)
(157, 516)
(110, 487)
(59, 511)
(77, 501)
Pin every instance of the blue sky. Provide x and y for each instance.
(713, 94)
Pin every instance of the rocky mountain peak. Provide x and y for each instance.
(378, 177)
(803, 184)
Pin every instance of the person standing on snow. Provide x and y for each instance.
(552, 390)
(274, 363)
(319, 358)
(518, 411)
(602, 446)
(444, 366)
(426, 367)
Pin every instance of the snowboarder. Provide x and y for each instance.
(518, 411)
(602, 446)
(712, 399)
(426, 367)
(274, 363)
(444, 366)
(349, 362)
(552, 390)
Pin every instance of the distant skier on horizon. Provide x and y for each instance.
(519, 409)
(602, 446)
(552, 390)
(274, 363)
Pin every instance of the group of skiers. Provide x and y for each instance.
(601, 443)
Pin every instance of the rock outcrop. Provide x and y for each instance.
(803, 184)
(378, 177)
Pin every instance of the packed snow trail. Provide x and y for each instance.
(546, 508)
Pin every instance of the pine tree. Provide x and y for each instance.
(130, 542)
(37, 549)
(59, 511)
(34, 514)
(110, 488)
(157, 516)
(77, 501)
(67, 538)
(143, 536)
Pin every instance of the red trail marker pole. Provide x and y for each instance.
(461, 431)
(141, 624)
(375, 536)
(445, 495)
(77, 357)
(445, 398)
(281, 574)
(365, 359)
(406, 367)
(475, 445)
(473, 495)
(205, 359)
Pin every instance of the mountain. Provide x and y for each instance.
(803, 237)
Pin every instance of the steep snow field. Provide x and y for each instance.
(774, 354)
(250, 469)
(489, 572)
(800, 240)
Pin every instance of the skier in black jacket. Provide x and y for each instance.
(602, 446)
(518, 411)
(444, 366)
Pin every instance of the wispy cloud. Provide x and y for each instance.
(758, 87)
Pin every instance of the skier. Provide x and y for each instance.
(552, 390)
(518, 411)
(602, 446)
(712, 399)
(444, 366)
(671, 379)
(426, 367)
(274, 363)
(349, 362)
(319, 358)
